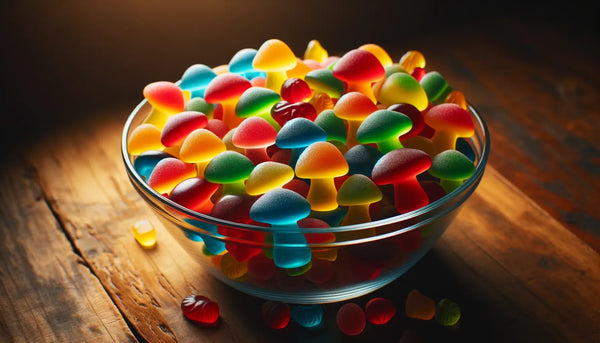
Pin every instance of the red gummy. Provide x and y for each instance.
(295, 90)
(284, 111)
(201, 310)
(380, 311)
(418, 123)
(275, 314)
(351, 319)
(418, 73)
(178, 126)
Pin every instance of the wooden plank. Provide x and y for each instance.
(47, 293)
(504, 257)
(537, 88)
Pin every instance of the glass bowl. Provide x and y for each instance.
(361, 259)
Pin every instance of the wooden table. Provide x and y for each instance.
(72, 271)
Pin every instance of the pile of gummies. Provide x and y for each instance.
(276, 140)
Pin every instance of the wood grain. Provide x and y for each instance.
(47, 293)
(522, 275)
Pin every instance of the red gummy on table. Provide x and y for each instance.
(380, 311)
(201, 310)
(276, 315)
(351, 319)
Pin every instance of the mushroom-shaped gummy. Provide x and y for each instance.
(333, 125)
(230, 169)
(435, 86)
(359, 69)
(267, 176)
(257, 101)
(382, 55)
(241, 63)
(196, 78)
(164, 96)
(416, 117)
(401, 88)
(275, 58)
(361, 159)
(358, 192)
(384, 128)
(179, 125)
(452, 167)
(194, 193)
(168, 172)
(254, 135)
(282, 208)
(400, 168)
(354, 107)
(146, 161)
(199, 147)
(315, 51)
(143, 138)
(239, 243)
(412, 59)
(322, 80)
(450, 121)
(321, 162)
(297, 134)
(226, 89)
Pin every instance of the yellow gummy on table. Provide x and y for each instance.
(144, 233)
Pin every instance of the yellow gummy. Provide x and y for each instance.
(419, 306)
(412, 59)
(267, 176)
(156, 118)
(201, 145)
(314, 51)
(299, 71)
(144, 233)
(382, 55)
(457, 97)
(143, 138)
(232, 268)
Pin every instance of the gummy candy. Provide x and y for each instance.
(164, 96)
(144, 233)
(380, 311)
(452, 167)
(447, 312)
(351, 319)
(196, 78)
(359, 69)
(384, 128)
(450, 121)
(307, 316)
(226, 89)
(400, 167)
(275, 314)
(254, 135)
(257, 101)
(354, 107)
(419, 306)
(321, 162)
(275, 58)
(179, 126)
(168, 172)
(201, 310)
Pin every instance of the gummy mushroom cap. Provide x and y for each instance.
(254, 132)
(358, 189)
(267, 176)
(354, 106)
(279, 207)
(228, 167)
(241, 61)
(255, 100)
(321, 160)
(274, 55)
(299, 132)
(400, 165)
(383, 124)
(358, 66)
(196, 76)
(225, 87)
(451, 165)
(450, 117)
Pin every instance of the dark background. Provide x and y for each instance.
(66, 60)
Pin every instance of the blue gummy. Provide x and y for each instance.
(280, 207)
(361, 159)
(196, 78)
(145, 162)
(308, 316)
(241, 62)
(215, 246)
(298, 133)
(290, 249)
